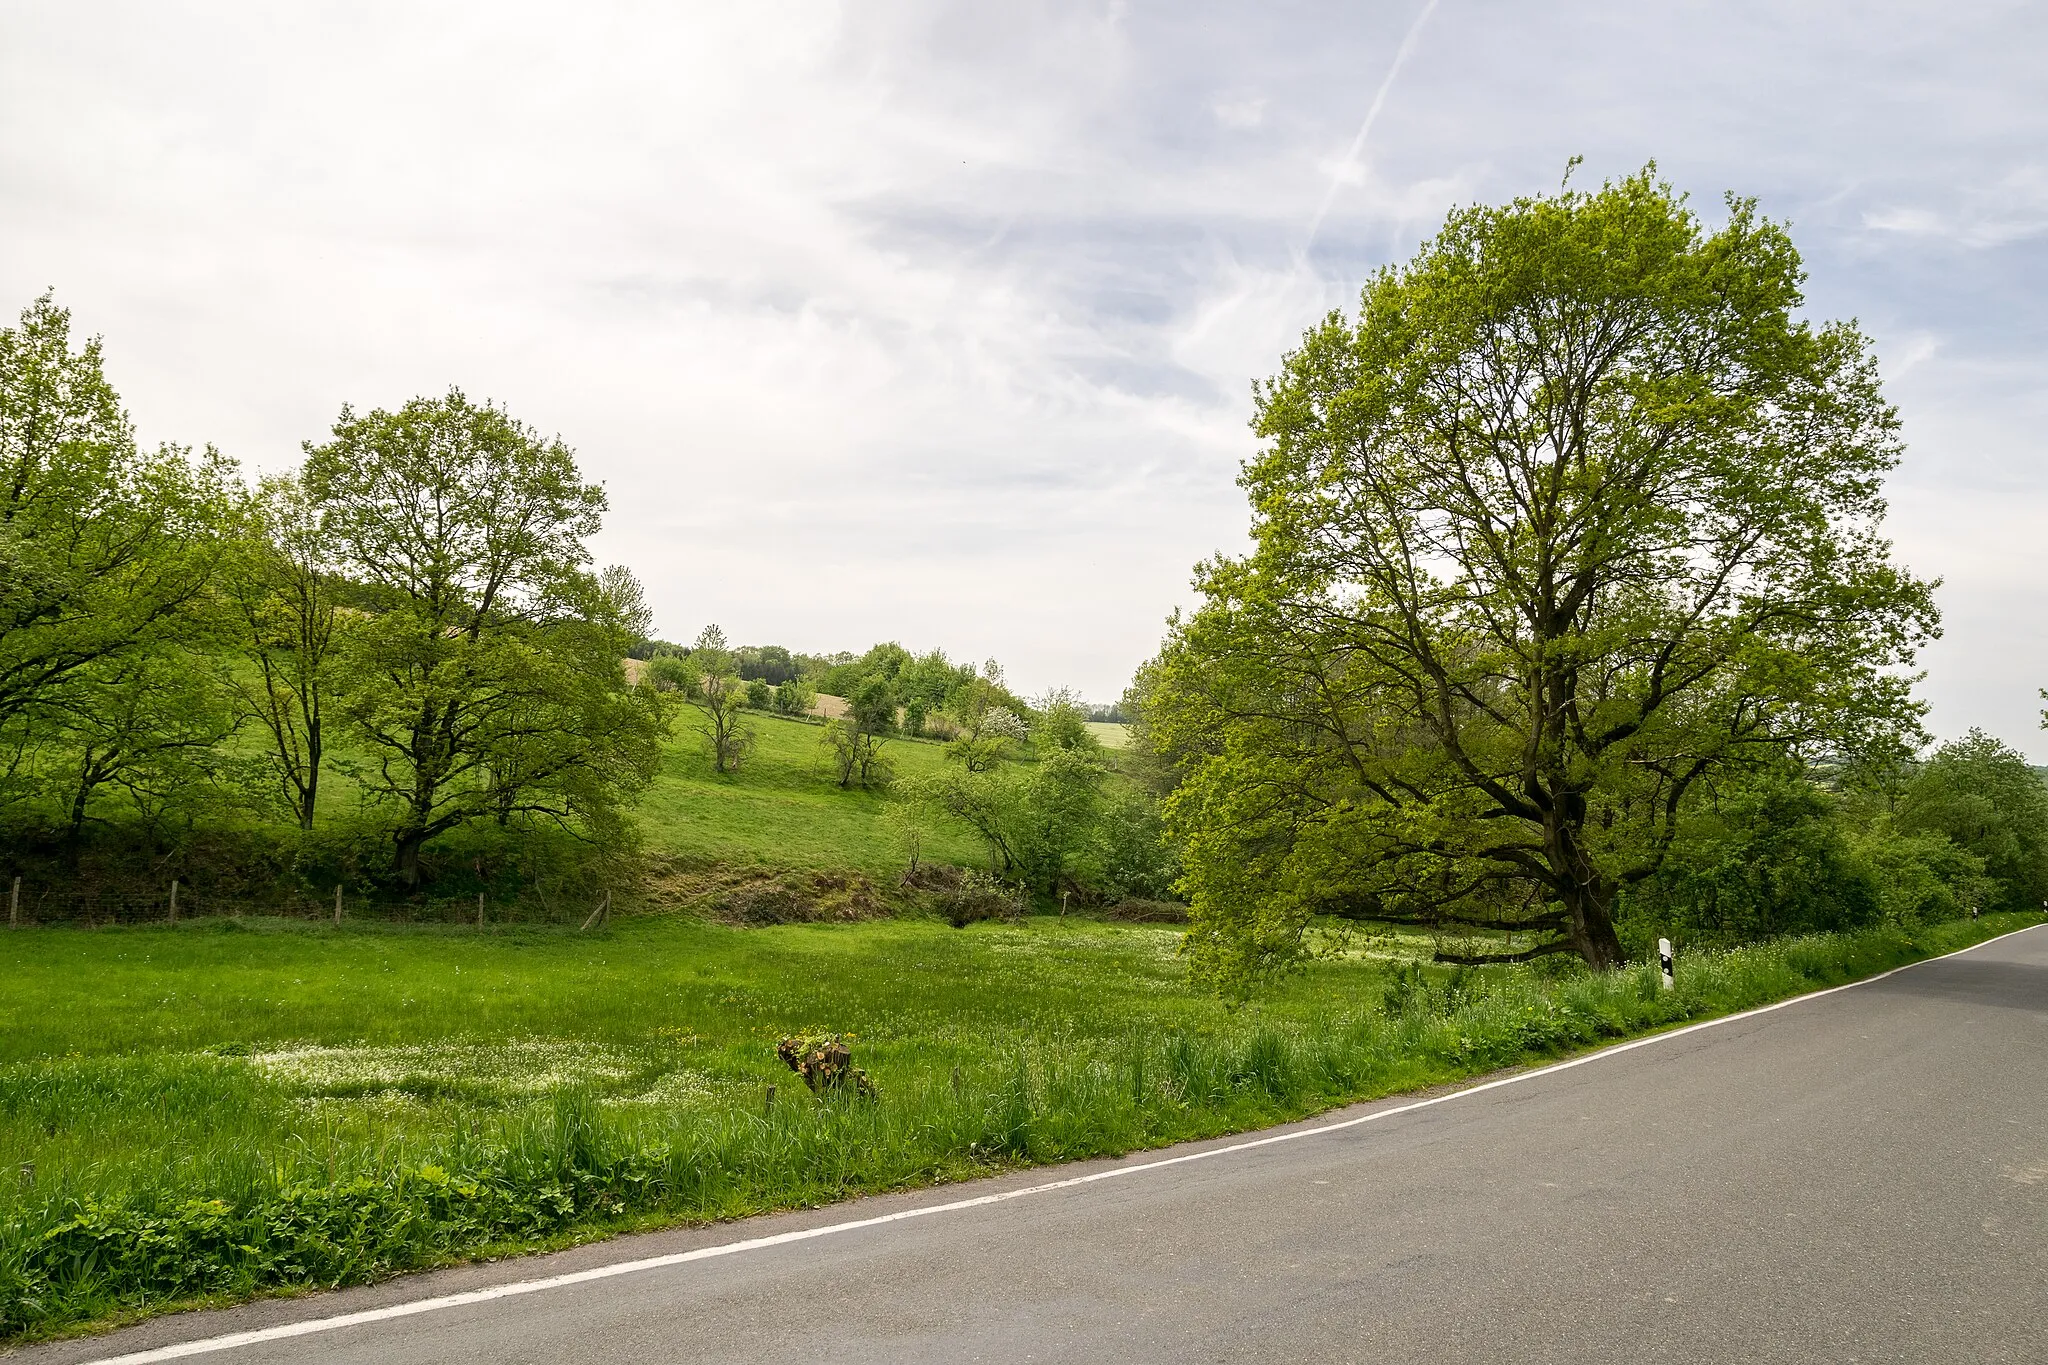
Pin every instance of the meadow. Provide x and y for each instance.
(783, 808)
(230, 1107)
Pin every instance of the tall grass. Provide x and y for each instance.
(177, 1176)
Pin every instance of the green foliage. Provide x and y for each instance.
(1981, 794)
(1037, 820)
(1921, 878)
(1577, 514)
(107, 557)
(769, 664)
(1128, 855)
(856, 753)
(872, 705)
(1769, 857)
(93, 533)
(488, 683)
(1063, 724)
(283, 614)
(795, 697)
(760, 696)
(147, 724)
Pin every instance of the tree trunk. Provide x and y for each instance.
(1586, 893)
(311, 788)
(1592, 927)
(405, 859)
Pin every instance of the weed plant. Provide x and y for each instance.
(336, 1106)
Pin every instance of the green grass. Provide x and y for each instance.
(214, 1111)
(1113, 734)
(783, 808)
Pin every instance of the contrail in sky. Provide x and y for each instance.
(1372, 114)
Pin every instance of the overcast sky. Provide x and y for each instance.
(937, 323)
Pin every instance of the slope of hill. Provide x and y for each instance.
(784, 808)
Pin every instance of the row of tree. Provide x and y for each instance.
(416, 607)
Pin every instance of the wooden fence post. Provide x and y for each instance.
(337, 902)
(479, 909)
(14, 906)
(174, 900)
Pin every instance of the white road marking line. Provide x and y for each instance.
(180, 1350)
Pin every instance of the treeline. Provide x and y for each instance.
(1058, 819)
(396, 670)
(185, 656)
(933, 697)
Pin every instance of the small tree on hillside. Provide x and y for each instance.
(914, 805)
(855, 739)
(1063, 722)
(714, 689)
(981, 710)
(1036, 820)
(795, 697)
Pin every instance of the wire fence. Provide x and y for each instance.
(29, 904)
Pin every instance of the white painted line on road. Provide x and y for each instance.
(180, 1350)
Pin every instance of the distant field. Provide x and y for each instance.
(1113, 734)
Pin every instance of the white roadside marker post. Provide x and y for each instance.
(1664, 961)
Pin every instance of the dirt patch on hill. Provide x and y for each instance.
(761, 896)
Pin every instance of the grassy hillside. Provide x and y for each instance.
(1113, 734)
(783, 808)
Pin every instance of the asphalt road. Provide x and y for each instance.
(1858, 1177)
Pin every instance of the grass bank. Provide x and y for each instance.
(213, 1113)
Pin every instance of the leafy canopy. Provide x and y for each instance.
(1575, 517)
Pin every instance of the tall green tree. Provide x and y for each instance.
(286, 622)
(105, 549)
(1576, 514)
(486, 683)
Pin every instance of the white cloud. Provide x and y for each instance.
(937, 321)
(2011, 209)
(1240, 113)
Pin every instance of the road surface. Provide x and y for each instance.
(1861, 1176)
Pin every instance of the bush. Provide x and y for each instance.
(963, 896)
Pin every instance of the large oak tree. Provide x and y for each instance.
(486, 681)
(1577, 515)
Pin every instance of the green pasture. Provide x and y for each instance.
(783, 808)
